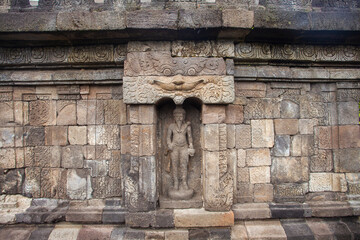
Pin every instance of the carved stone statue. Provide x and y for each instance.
(180, 145)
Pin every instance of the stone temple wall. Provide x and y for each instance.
(271, 93)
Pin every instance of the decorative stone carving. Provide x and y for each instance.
(62, 55)
(162, 64)
(316, 53)
(180, 145)
(150, 89)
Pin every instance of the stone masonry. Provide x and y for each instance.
(271, 92)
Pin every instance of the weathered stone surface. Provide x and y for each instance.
(238, 231)
(144, 114)
(262, 133)
(78, 184)
(199, 18)
(260, 175)
(290, 192)
(348, 112)
(297, 229)
(66, 113)
(32, 182)
(289, 109)
(41, 233)
(65, 231)
(244, 193)
(245, 89)
(11, 182)
(77, 135)
(327, 182)
(72, 157)
(286, 126)
(349, 136)
(80, 20)
(108, 135)
(139, 190)
(177, 235)
(263, 192)
(56, 135)
(162, 64)
(18, 22)
(215, 137)
(95, 232)
(140, 46)
(219, 48)
(289, 210)
(326, 137)
(7, 137)
(289, 170)
(237, 18)
(150, 89)
(17, 232)
(147, 19)
(322, 161)
(347, 160)
(330, 209)
(243, 136)
(7, 158)
(218, 186)
(53, 182)
(213, 114)
(258, 157)
(42, 112)
(266, 229)
(231, 136)
(319, 228)
(296, 145)
(281, 146)
(34, 136)
(106, 187)
(202, 218)
(7, 108)
(247, 211)
(234, 114)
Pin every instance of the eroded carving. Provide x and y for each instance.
(149, 90)
(316, 53)
(180, 144)
(162, 64)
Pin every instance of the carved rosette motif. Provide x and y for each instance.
(150, 89)
(256, 51)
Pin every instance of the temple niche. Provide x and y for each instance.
(179, 154)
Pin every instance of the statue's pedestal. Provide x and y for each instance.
(181, 194)
(195, 202)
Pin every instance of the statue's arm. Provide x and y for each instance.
(168, 137)
(189, 135)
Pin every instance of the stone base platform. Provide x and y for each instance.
(311, 228)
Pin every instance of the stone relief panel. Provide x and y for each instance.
(150, 89)
(162, 64)
(179, 154)
(62, 55)
(315, 53)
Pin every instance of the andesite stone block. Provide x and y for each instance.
(243, 136)
(202, 218)
(199, 18)
(262, 133)
(147, 19)
(281, 146)
(286, 126)
(265, 229)
(237, 18)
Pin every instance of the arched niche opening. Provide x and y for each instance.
(165, 172)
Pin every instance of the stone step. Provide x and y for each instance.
(309, 228)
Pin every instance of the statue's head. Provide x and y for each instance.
(179, 112)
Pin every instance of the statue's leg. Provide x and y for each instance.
(184, 159)
(175, 166)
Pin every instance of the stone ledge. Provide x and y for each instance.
(202, 218)
(309, 209)
(197, 24)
